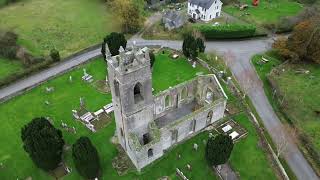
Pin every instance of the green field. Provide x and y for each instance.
(302, 98)
(9, 67)
(68, 26)
(247, 157)
(300, 92)
(267, 12)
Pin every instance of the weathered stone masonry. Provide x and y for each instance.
(146, 125)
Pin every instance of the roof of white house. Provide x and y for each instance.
(202, 3)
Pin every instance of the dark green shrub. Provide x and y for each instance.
(218, 149)
(8, 38)
(8, 45)
(86, 158)
(43, 142)
(55, 55)
(9, 52)
(229, 31)
(192, 46)
(114, 41)
(152, 58)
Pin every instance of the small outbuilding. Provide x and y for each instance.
(173, 19)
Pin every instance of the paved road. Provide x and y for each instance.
(239, 53)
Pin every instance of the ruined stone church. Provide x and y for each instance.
(148, 124)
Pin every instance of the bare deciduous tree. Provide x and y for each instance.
(247, 81)
(286, 134)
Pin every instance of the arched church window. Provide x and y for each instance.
(167, 101)
(192, 126)
(184, 93)
(137, 92)
(209, 117)
(116, 87)
(209, 95)
(150, 153)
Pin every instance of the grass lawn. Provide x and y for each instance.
(169, 72)
(68, 26)
(9, 67)
(247, 157)
(267, 11)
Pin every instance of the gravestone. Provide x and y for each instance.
(195, 146)
(47, 102)
(189, 167)
(194, 64)
(229, 79)
(82, 101)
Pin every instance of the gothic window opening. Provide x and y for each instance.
(150, 153)
(116, 87)
(137, 93)
(121, 131)
(209, 95)
(146, 138)
(192, 126)
(167, 101)
(174, 136)
(184, 93)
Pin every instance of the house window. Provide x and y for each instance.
(150, 153)
(210, 16)
(137, 93)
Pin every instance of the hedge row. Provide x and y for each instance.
(229, 31)
(26, 72)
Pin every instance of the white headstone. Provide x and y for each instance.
(81, 101)
(194, 64)
(195, 146)
(85, 72)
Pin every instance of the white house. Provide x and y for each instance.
(204, 10)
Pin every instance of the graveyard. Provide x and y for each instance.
(57, 98)
(296, 96)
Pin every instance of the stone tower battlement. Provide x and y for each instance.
(128, 60)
